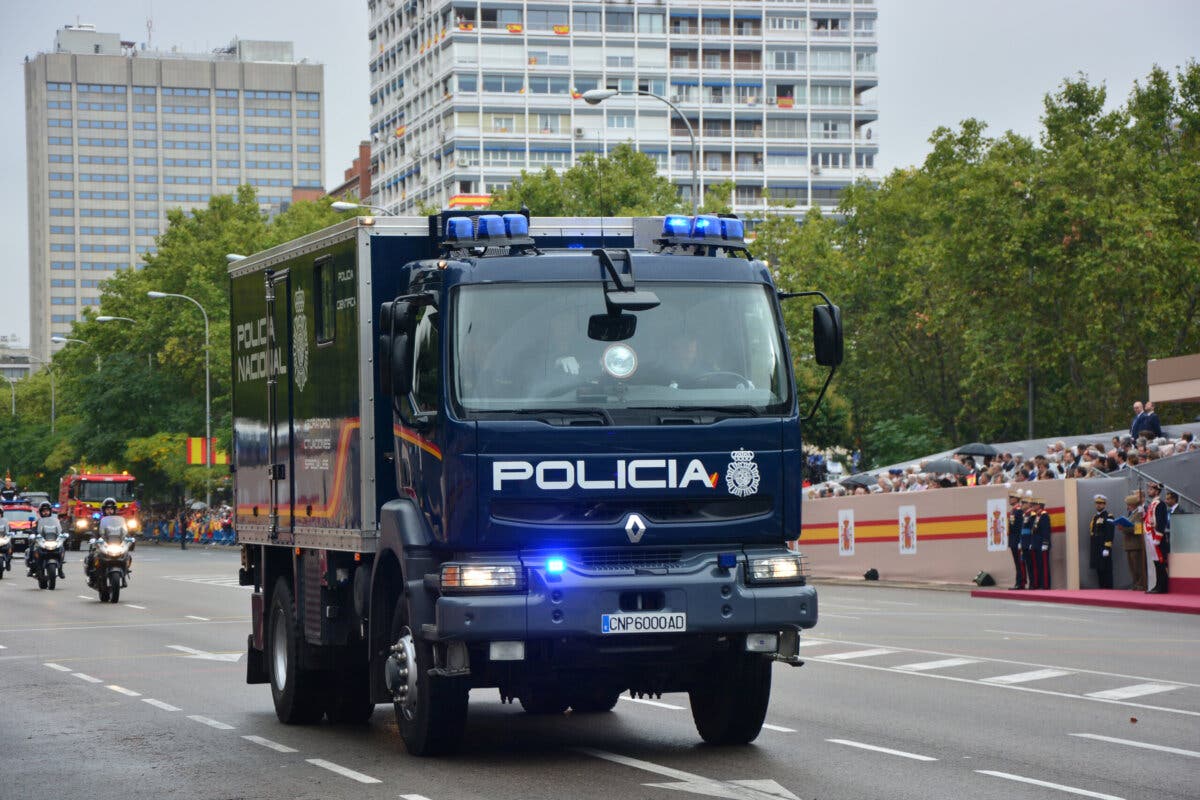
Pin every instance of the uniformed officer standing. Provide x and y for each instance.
(1026, 544)
(1157, 525)
(1015, 514)
(1102, 542)
(1041, 545)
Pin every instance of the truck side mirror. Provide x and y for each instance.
(403, 323)
(827, 335)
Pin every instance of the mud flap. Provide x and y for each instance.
(256, 669)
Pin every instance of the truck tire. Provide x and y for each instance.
(595, 701)
(296, 691)
(730, 704)
(432, 722)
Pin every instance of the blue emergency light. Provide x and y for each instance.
(516, 225)
(459, 228)
(555, 565)
(733, 228)
(676, 225)
(491, 226)
(705, 226)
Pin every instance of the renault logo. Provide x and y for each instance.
(634, 528)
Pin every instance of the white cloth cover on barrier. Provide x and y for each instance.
(908, 530)
(846, 532)
(997, 524)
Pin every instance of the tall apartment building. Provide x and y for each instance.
(116, 134)
(466, 94)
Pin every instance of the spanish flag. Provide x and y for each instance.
(196, 453)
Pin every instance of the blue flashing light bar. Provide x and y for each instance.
(516, 224)
(733, 228)
(676, 225)
(705, 226)
(491, 226)
(555, 566)
(459, 228)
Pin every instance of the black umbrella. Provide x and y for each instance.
(977, 449)
(861, 479)
(944, 465)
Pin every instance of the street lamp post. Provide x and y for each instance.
(343, 205)
(106, 318)
(207, 396)
(594, 97)
(13, 386)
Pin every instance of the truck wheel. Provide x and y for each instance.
(431, 712)
(294, 690)
(729, 706)
(595, 701)
(350, 702)
(544, 701)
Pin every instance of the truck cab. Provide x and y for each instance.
(584, 458)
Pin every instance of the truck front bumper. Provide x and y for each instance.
(573, 603)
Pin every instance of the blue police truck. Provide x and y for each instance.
(558, 457)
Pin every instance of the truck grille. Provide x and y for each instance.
(611, 512)
(624, 559)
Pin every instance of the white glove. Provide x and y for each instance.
(567, 364)
(1104, 553)
(1045, 547)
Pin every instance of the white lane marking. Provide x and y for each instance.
(172, 624)
(204, 654)
(655, 703)
(200, 619)
(343, 771)
(276, 746)
(1179, 751)
(124, 691)
(1026, 677)
(159, 704)
(893, 603)
(87, 678)
(3, 647)
(945, 663)
(131, 605)
(413, 797)
(838, 616)
(83, 597)
(1137, 690)
(211, 580)
(58, 667)
(1048, 785)
(697, 784)
(779, 728)
(877, 651)
(1015, 633)
(877, 749)
(212, 723)
(813, 642)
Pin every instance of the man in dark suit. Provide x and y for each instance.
(1139, 415)
(1151, 427)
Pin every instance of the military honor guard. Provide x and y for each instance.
(1156, 523)
(1101, 540)
(1026, 544)
(1040, 545)
(1015, 514)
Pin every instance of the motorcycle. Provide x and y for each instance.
(6, 549)
(108, 562)
(46, 552)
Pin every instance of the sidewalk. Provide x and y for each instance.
(1113, 598)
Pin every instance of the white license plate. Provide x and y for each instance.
(644, 622)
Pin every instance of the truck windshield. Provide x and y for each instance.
(13, 515)
(96, 491)
(707, 346)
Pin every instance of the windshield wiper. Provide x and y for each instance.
(562, 416)
(718, 411)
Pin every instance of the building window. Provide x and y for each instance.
(621, 119)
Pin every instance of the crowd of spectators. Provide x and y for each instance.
(1084, 459)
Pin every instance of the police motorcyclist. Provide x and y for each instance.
(107, 509)
(45, 511)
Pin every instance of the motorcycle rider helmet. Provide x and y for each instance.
(45, 510)
(108, 507)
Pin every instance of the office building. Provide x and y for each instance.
(780, 94)
(118, 133)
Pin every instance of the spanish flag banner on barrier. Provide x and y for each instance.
(196, 453)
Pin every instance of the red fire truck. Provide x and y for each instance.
(80, 495)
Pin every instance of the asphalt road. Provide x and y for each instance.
(906, 694)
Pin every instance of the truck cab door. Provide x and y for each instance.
(280, 413)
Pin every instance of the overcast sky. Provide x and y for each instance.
(940, 61)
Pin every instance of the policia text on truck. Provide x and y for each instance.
(560, 458)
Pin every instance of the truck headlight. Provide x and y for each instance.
(81, 524)
(789, 568)
(482, 577)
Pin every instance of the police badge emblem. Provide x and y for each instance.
(299, 341)
(742, 476)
